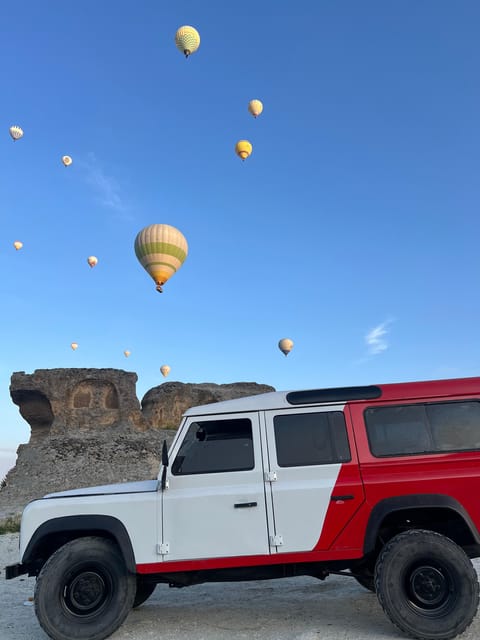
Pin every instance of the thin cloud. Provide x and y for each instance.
(106, 188)
(376, 339)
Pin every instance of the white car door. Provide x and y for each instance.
(214, 505)
(307, 449)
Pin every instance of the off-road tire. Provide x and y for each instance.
(144, 591)
(84, 590)
(426, 585)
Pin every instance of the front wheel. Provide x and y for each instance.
(84, 590)
(426, 585)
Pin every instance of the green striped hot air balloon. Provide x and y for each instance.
(161, 250)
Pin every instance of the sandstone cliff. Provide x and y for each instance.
(88, 428)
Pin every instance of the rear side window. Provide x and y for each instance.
(305, 439)
(423, 428)
(216, 446)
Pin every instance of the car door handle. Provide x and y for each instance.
(341, 498)
(244, 505)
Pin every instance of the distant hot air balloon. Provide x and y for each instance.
(67, 161)
(126, 353)
(243, 149)
(187, 40)
(92, 261)
(74, 346)
(255, 107)
(16, 132)
(161, 250)
(165, 369)
(285, 345)
(17, 244)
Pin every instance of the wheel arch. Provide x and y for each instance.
(426, 508)
(54, 533)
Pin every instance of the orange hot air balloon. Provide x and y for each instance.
(74, 346)
(243, 149)
(17, 244)
(126, 353)
(92, 261)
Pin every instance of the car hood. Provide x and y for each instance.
(108, 489)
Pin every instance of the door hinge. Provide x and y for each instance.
(270, 476)
(163, 548)
(276, 541)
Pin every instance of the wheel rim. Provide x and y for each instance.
(430, 589)
(87, 592)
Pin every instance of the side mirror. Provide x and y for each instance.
(165, 465)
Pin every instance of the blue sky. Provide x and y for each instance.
(352, 229)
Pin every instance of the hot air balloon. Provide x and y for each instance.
(17, 244)
(243, 149)
(92, 261)
(126, 353)
(187, 40)
(255, 107)
(285, 345)
(67, 161)
(74, 346)
(16, 132)
(161, 250)
(165, 369)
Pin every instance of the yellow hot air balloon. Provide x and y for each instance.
(165, 369)
(16, 132)
(285, 345)
(243, 149)
(67, 161)
(17, 244)
(92, 261)
(74, 346)
(126, 353)
(255, 107)
(161, 250)
(187, 40)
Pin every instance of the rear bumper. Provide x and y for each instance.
(15, 570)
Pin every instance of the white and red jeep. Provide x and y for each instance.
(381, 483)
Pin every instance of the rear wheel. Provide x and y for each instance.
(426, 585)
(84, 590)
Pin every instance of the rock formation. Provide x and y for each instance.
(88, 428)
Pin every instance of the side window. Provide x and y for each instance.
(305, 439)
(215, 446)
(424, 428)
(397, 431)
(455, 425)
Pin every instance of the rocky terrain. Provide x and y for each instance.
(88, 427)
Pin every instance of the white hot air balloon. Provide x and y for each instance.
(165, 369)
(67, 161)
(285, 345)
(16, 132)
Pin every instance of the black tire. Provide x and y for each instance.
(426, 585)
(84, 590)
(144, 591)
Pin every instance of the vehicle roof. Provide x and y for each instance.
(342, 395)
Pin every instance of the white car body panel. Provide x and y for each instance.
(137, 512)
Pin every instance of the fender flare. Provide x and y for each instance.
(416, 501)
(87, 525)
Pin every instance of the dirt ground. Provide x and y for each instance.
(289, 609)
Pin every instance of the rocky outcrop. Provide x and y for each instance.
(88, 428)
